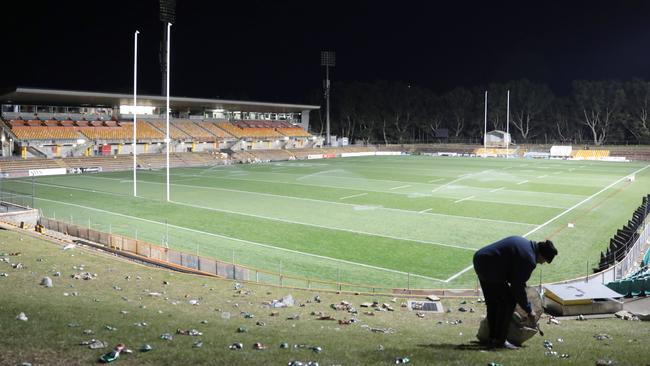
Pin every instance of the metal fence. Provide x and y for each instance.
(231, 270)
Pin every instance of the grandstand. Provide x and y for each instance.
(42, 123)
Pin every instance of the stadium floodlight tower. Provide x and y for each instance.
(327, 59)
(508, 127)
(167, 16)
(485, 126)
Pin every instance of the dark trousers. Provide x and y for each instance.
(500, 306)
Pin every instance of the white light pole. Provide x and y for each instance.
(169, 28)
(485, 128)
(508, 127)
(135, 112)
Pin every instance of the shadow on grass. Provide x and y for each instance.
(472, 346)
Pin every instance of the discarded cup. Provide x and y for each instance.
(22, 317)
(236, 346)
(146, 348)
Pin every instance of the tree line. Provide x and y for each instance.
(594, 112)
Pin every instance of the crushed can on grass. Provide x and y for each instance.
(112, 355)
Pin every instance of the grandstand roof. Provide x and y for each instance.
(83, 98)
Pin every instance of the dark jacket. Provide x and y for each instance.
(511, 260)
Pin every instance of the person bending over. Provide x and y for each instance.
(503, 268)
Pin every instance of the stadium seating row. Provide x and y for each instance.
(590, 154)
(625, 238)
(152, 129)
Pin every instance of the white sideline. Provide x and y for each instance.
(241, 240)
(558, 216)
(522, 182)
(425, 211)
(354, 195)
(404, 186)
(464, 199)
(497, 189)
(435, 180)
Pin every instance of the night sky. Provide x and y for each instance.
(270, 50)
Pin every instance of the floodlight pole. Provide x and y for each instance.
(327, 98)
(485, 125)
(169, 26)
(508, 127)
(135, 88)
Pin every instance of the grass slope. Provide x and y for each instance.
(57, 323)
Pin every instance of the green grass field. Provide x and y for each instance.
(388, 221)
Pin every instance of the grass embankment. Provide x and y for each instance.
(118, 297)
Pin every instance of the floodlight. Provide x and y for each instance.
(168, 11)
(328, 58)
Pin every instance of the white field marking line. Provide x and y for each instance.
(522, 182)
(558, 216)
(400, 187)
(354, 195)
(435, 180)
(299, 223)
(343, 187)
(456, 180)
(370, 190)
(323, 226)
(464, 199)
(239, 240)
(425, 211)
(542, 176)
(322, 201)
(497, 189)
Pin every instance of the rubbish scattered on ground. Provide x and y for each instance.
(260, 323)
(17, 266)
(581, 317)
(166, 337)
(343, 305)
(347, 321)
(69, 246)
(114, 354)
(420, 315)
(197, 344)
(463, 302)
(602, 336)
(325, 317)
(286, 301)
(4, 274)
(86, 276)
(22, 317)
(259, 346)
(494, 364)
(247, 315)
(602, 362)
(47, 282)
(553, 320)
(190, 332)
(284, 345)
(88, 331)
(141, 324)
(204, 322)
(275, 313)
(294, 317)
(225, 315)
(402, 360)
(548, 344)
(146, 348)
(57, 274)
(242, 330)
(123, 312)
(73, 325)
(560, 340)
(462, 309)
(433, 298)
(378, 330)
(317, 298)
(236, 346)
(625, 315)
(194, 302)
